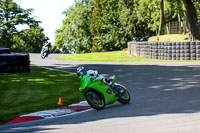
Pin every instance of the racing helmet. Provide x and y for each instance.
(80, 71)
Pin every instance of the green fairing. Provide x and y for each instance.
(97, 85)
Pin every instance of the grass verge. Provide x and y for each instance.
(170, 38)
(114, 56)
(23, 93)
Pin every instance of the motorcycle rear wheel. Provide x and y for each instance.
(95, 100)
(44, 55)
(123, 97)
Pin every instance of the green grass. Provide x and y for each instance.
(114, 56)
(170, 38)
(22, 93)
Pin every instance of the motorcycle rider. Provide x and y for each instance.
(93, 75)
(81, 71)
(46, 49)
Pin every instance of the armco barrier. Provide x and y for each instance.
(165, 50)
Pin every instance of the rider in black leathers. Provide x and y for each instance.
(45, 50)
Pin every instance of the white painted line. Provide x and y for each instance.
(82, 103)
(51, 113)
(54, 113)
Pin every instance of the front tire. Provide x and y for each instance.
(123, 97)
(95, 100)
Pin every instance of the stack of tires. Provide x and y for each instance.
(10, 63)
(146, 49)
(193, 50)
(4, 50)
(173, 50)
(138, 49)
(155, 50)
(162, 50)
(182, 51)
(169, 51)
(150, 50)
(141, 49)
(197, 50)
(165, 50)
(187, 50)
(177, 50)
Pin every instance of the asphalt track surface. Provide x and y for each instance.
(165, 99)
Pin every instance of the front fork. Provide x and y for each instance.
(116, 90)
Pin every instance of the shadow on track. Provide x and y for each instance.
(154, 89)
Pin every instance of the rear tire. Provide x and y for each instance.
(124, 97)
(43, 55)
(95, 100)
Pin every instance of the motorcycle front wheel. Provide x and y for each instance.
(123, 95)
(95, 100)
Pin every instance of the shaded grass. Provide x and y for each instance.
(114, 56)
(22, 93)
(170, 38)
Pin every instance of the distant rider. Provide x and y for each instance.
(46, 50)
(47, 47)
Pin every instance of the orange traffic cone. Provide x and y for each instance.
(60, 102)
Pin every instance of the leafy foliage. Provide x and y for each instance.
(12, 15)
(75, 34)
(29, 40)
(105, 25)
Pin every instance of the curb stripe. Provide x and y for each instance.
(24, 119)
(46, 114)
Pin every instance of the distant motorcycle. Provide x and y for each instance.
(45, 50)
(101, 91)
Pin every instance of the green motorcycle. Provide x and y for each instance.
(101, 91)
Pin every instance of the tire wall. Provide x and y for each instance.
(12, 63)
(165, 50)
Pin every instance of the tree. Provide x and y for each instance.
(133, 20)
(11, 15)
(148, 16)
(192, 19)
(29, 40)
(107, 32)
(162, 19)
(75, 32)
(59, 42)
(104, 25)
